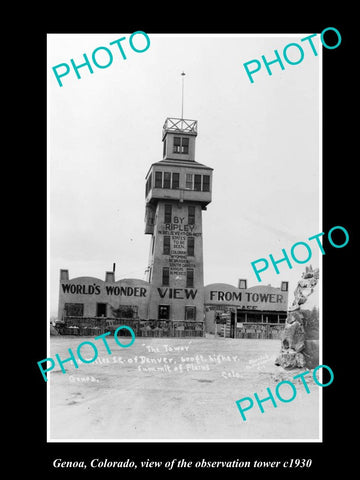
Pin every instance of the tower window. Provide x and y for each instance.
(166, 249)
(190, 246)
(175, 181)
(190, 312)
(191, 215)
(158, 179)
(189, 181)
(167, 179)
(165, 276)
(206, 183)
(181, 145)
(197, 183)
(164, 148)
(164, 312)
(148, 186)
(168, 214)
(189, 277)
(185, 145)
(177, 145)
(74, 309)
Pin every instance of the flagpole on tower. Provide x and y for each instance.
(182, 96)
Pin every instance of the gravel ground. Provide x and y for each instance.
(176, 389)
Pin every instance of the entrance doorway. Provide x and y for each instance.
(101, 309)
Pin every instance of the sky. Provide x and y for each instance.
(262, 139)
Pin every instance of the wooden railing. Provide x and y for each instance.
(180, 125)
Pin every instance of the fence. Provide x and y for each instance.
(257, 331)
(92, 326)
(158, 328)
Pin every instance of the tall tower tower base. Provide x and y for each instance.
(178, 190)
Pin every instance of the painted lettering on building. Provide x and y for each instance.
(178, 293)
(175, 229)
(126, 291)
(179, 228)
(179, 263)
(178, 252)
(81, 289)
(221, 296)
(225, 307)
(178, 246)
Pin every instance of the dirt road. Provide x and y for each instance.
(176, 389)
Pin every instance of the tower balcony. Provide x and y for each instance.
(180, 195)
(179, 125)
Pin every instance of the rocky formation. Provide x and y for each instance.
(299, 339)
